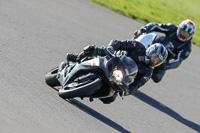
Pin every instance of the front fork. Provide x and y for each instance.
(60, 68)
(62, 71)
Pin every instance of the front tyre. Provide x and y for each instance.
(80, 89)
(50, 78)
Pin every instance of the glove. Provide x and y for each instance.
(110, 50)
(139, 32)
(88, 50)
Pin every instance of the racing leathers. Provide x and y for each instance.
(181, 50)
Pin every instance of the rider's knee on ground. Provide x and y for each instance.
(157, 78)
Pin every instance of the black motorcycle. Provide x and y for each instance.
(94, 77)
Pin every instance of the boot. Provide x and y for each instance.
(71, 57)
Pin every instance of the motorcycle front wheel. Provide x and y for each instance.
(50, 78)
(87, 85)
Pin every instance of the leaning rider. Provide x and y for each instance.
(146, 59)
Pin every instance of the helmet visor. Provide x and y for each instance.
(155, 60)
(185, 34)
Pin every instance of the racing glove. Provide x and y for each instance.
(110, 50)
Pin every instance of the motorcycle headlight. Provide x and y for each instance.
(118, 76)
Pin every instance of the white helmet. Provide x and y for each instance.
(156, 54)
(186, 30)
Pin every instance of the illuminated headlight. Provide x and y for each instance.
(118, 76)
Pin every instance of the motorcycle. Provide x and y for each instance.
(151, 38)
(93, 77)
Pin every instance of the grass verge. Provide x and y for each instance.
(159, 11)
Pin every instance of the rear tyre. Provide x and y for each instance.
(81, 88)
(50, 78)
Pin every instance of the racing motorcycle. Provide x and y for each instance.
(151, 38)
(94, 77)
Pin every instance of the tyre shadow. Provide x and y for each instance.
(97, 115)
(154, 103)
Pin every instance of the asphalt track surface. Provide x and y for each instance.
(35, 35)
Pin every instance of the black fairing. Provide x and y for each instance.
(105, 71)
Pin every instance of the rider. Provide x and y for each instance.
(180, 36)
(145, 59)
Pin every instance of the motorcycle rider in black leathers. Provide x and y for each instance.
(180, 36)
(145, 59)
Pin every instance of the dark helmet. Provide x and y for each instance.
(156, 54)
(186, 30)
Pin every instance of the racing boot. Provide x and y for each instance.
(87, 51)
(71, 57)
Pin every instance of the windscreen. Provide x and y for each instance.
(128, 66)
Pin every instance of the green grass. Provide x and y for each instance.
(159, 11)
